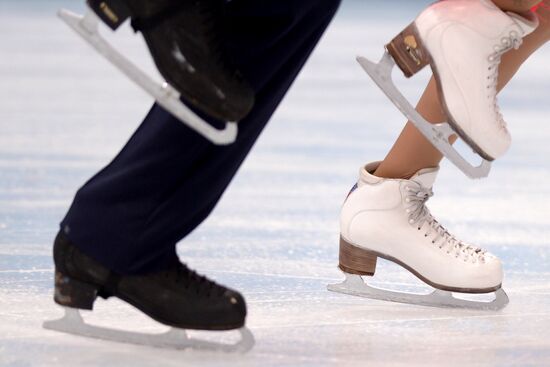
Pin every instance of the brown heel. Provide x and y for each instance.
(408, 51)
(355, 260)
(73, 293)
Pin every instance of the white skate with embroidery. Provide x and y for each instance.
(388, 219)
(73, 323)
(463, 42)
(87, 27)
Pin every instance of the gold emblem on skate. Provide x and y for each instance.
(412, 48)
(410, 41)
(108, 12)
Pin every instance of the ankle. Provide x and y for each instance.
(383, 172)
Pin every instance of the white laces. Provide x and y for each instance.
(506, 43)
(419, 215)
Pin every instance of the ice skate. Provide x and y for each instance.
(177, 297)
(388, 218)
(183, 38)
(462, 41)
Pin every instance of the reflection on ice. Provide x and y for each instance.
(275, 234)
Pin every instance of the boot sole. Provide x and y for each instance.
(357, 260)
(114, 12)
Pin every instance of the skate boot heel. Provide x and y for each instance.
(111, 12)
(355, 260)
(73, 293)
(408, 51)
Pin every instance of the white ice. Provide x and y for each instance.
(64, 112)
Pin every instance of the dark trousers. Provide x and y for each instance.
(167, 179)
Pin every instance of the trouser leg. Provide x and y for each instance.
(167, 178)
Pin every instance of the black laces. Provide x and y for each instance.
(193, 281)
(214, 31)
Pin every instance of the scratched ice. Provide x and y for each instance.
(64, 112)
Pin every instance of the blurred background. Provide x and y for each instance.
(65, 112)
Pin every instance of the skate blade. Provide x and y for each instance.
(437, 134)
(87, 27)
(355, 285)
(73, 323)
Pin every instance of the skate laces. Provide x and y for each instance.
(513, 40)
(419, 214)
(212, 16)
(193, 280)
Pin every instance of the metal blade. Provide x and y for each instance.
(437, 134)
(165, 95)
(355, 285)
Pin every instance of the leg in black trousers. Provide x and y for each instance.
(167, 179)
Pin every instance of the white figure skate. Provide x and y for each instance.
(73, 323)
(463, 41)
(387, 218)
(87, 27)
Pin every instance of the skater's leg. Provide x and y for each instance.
(412, 151)
(385, 215)
(463, 42)
(516, 6)
(167, 178)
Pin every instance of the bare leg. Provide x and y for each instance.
(412, 152)
(516, 6)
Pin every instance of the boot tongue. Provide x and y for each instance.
(527, 23)
(425, 177)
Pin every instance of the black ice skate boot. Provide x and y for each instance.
(177, 297)
(185, 41)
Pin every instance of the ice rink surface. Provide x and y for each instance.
(64, 112)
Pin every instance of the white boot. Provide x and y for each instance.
(463, 41)
(388, 218)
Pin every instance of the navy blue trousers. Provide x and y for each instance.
(167, 179)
